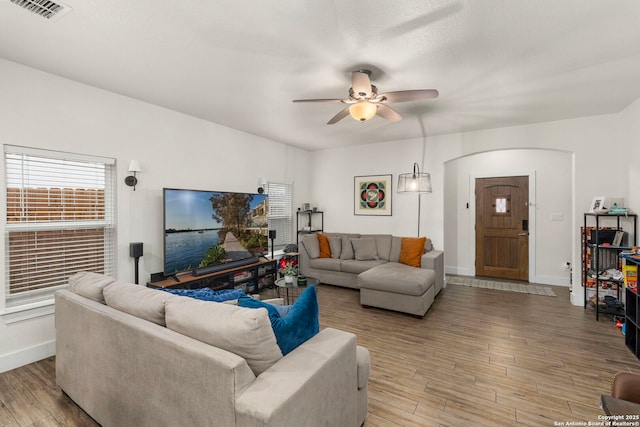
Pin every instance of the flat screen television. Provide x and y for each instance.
(210, 228)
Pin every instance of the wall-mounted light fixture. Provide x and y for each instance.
(262, 185)
(131, 180)
(415, 182)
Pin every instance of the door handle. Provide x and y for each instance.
(523, 234)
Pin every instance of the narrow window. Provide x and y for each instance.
(501, 205)
(280, 213)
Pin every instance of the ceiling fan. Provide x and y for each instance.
(365, 101)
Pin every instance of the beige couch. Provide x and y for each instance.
(383, 281)
(129, 355)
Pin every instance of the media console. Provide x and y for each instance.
(250, 278)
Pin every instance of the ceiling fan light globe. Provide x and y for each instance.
(363, 110)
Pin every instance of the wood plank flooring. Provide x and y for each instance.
(479, 357)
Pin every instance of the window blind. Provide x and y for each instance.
(60, 219)
(280, 195)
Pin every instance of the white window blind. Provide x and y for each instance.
(60, 219)
(280, 195)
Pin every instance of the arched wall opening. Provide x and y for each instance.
(551, 185)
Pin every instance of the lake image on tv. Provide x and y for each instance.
(185, 250)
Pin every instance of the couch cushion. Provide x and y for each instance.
(90, 285)
(326, 264)
(412, 250)
(137, 300)
(299, 324)
(357, 267)
(428, 245)
(396, 245)
(383, 244)
(323, 244)
(335, 244)
(397, 278)
(242, 331)
(364, 249)
(347, 248)
(311, 245)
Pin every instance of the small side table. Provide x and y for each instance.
(290, 292)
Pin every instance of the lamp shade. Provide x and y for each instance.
(414, 182)
(134, 166)
(363, 110)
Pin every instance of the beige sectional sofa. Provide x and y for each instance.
(131, 355)
(383, 281)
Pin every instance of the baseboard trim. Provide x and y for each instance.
(27, 355)
(459, 271)
(552, 280)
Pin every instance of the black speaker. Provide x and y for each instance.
(156, 277)
(272, 234)
(135, 249)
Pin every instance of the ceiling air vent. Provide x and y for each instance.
(47, 9)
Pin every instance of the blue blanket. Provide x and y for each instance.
(207, 294)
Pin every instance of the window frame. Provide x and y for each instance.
(37, 304)
(280, 211)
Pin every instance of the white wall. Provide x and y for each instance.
(601, 165)
(551, 182)
(174, 150)
(630, 128)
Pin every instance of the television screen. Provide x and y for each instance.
(205, 228)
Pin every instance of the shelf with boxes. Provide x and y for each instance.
(630, 261)
(603, 237)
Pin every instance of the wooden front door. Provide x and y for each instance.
(502, 227)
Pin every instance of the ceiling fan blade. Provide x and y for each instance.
(341, 115)
(318, 100)
(361, 84)
(388, 113)
(409, 95)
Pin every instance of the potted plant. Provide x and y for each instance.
(289, 271)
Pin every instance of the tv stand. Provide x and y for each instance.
(250, 278)
(201, 271)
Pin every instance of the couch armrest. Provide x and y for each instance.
(316, 384)
(434, 260)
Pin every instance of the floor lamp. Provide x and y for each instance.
(415, 182)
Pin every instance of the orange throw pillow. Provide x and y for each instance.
(325, 249)
(411, 250)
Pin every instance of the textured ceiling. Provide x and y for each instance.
(495, 63)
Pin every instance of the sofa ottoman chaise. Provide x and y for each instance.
(376, 265)
(398, 287)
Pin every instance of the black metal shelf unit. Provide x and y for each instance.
(598, 254)
(312, 222)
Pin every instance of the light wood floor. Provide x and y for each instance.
(478, 358)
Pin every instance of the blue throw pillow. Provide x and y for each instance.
(300, 323)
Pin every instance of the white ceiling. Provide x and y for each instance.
(496, 63)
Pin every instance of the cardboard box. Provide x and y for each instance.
(630, 272)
